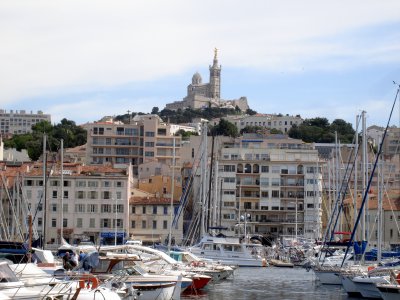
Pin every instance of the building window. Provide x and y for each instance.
(39, 221)
(65, 194)
(154, 224)
(80, 183)
(275, 194)
(93, 184)
(54, 195)
(80, 194)
(80, 208)
(53, 222)
(119, 207)
(149, 153)
(106, 195)
(106, 183)
(119, 184)
(149, 133)
(65, 223)
(105, 223)
(247, 205)
(92, 222)
(165, 208)
(133, 210)
(79, 222)
(264, 169)
(154, 209)
(144, 210)
(229, 168)
(106, 208)
(54, 207)
(165, 224)
(92, 208)
(143, 224)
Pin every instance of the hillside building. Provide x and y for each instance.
(200, 95)
(20, 121)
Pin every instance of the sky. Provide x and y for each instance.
(83, 60)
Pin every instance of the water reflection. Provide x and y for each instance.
(269, 283)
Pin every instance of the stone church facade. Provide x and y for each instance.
(200, 95)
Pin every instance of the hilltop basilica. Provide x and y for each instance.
(201, 94)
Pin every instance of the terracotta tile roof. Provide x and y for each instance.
(77, 169)
(10, 172)
(151, 201)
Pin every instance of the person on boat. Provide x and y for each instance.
(82, 256)
(68, 262)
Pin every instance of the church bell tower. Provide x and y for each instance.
(215, 78)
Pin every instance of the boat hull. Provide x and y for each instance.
(389, 291)
(328, 277)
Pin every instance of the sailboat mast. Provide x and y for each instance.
(364, 170)
(62, 192)
(203, 180)
(380, 207)
(355, 171)
(44, 206)
(172, 196)
(215, 198)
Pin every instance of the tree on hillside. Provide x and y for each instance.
(251, 129)
(33, 142)
(344, 129)
(155, 110)
(319, 130)
(225, 128)
(250, 112)
(275, 131)
(185, 134)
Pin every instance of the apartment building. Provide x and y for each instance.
(275, 183)
(150, 219)
(147, 138)
(90, 201)
(268, 121)
(20, 121)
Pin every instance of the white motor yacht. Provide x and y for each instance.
(230, 251)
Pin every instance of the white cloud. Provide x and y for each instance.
(51, 47)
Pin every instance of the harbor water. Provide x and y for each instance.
(270, 283)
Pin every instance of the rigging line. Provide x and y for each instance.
(3, 219)
(11, 202)
(389, 200)
(25, 207)
(345, 183)
(344, 180)
(370, 177)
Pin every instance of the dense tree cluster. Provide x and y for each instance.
(67, 130)
(319, 130)
(225, 128)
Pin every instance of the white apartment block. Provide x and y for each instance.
(269, 121)
(20, 121)
(271, 180)
(92, 202)
(147, 138)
